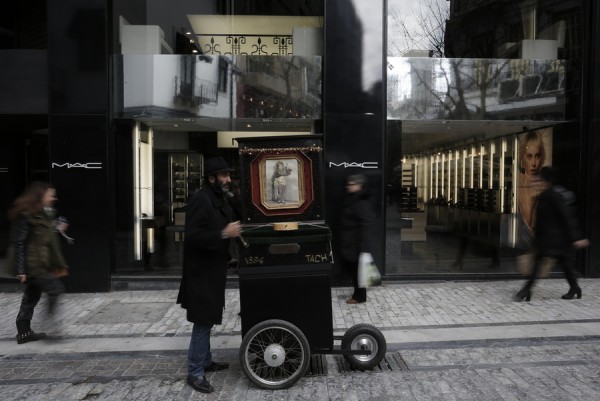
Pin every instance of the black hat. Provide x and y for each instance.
(215, 165)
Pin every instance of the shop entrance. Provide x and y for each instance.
(165, 158)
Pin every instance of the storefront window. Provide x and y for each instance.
(190, 79)
(471, 85)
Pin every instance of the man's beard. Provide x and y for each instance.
(220, 188)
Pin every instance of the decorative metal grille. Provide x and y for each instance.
(258, 45)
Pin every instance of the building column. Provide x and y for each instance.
(354, 108)
(78, 136)
(590, 126)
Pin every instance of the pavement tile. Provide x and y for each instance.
(512, 369)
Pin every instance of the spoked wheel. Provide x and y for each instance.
(274, 354)
(364, 337)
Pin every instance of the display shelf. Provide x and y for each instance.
(185, 178)
(408, 202)
(508, 185)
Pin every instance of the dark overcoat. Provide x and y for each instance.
(34, 248)
(355, 229)
(556, 224)
(205, 257)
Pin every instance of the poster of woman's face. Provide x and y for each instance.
(535, 152)
(281, 187)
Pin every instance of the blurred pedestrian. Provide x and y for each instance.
(557, 233)
(35, 255)
(208, 227)
(355, 227)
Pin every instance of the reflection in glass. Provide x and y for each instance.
(186, 86)
(259, 35)
(475, 89)
(469, 226)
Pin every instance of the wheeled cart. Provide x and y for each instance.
(285, 264)
(286, 313)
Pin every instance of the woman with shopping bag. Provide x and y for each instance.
(355, 226)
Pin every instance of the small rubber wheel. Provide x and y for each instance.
(274, 354)
(364, 337)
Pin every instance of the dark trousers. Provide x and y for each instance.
(34, 287)
(562, 261)
(199, 354)
(360, 294)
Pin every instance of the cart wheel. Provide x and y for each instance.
(274, 354)
(364, 337)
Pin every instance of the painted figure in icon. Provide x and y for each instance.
(280, 181)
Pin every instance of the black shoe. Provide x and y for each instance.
(572, 293)
(215, 366)
(200, 384)
(30, 336)
(523, 295)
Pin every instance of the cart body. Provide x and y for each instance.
(284, 274)
(300, 296)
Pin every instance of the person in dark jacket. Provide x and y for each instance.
(557, 233)
(34, 254)
(208, 227)
(355, 226)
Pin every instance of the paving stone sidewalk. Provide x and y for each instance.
(515, 368)
(389, 307)
(552, 371)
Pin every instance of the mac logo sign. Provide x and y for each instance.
(354, 164)
(88, 165)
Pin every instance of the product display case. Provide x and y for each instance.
(408, 200)
(185, 178)
(477, 197)
(507, 187)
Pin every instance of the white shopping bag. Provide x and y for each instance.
(368, 274)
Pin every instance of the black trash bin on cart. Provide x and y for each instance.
(285, 265)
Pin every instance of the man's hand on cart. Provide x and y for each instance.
(232, 230)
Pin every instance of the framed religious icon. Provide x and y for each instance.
(278, 178)
(282, 182)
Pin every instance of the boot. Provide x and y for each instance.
(523, 295)
(25, 334)
(572, 293)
